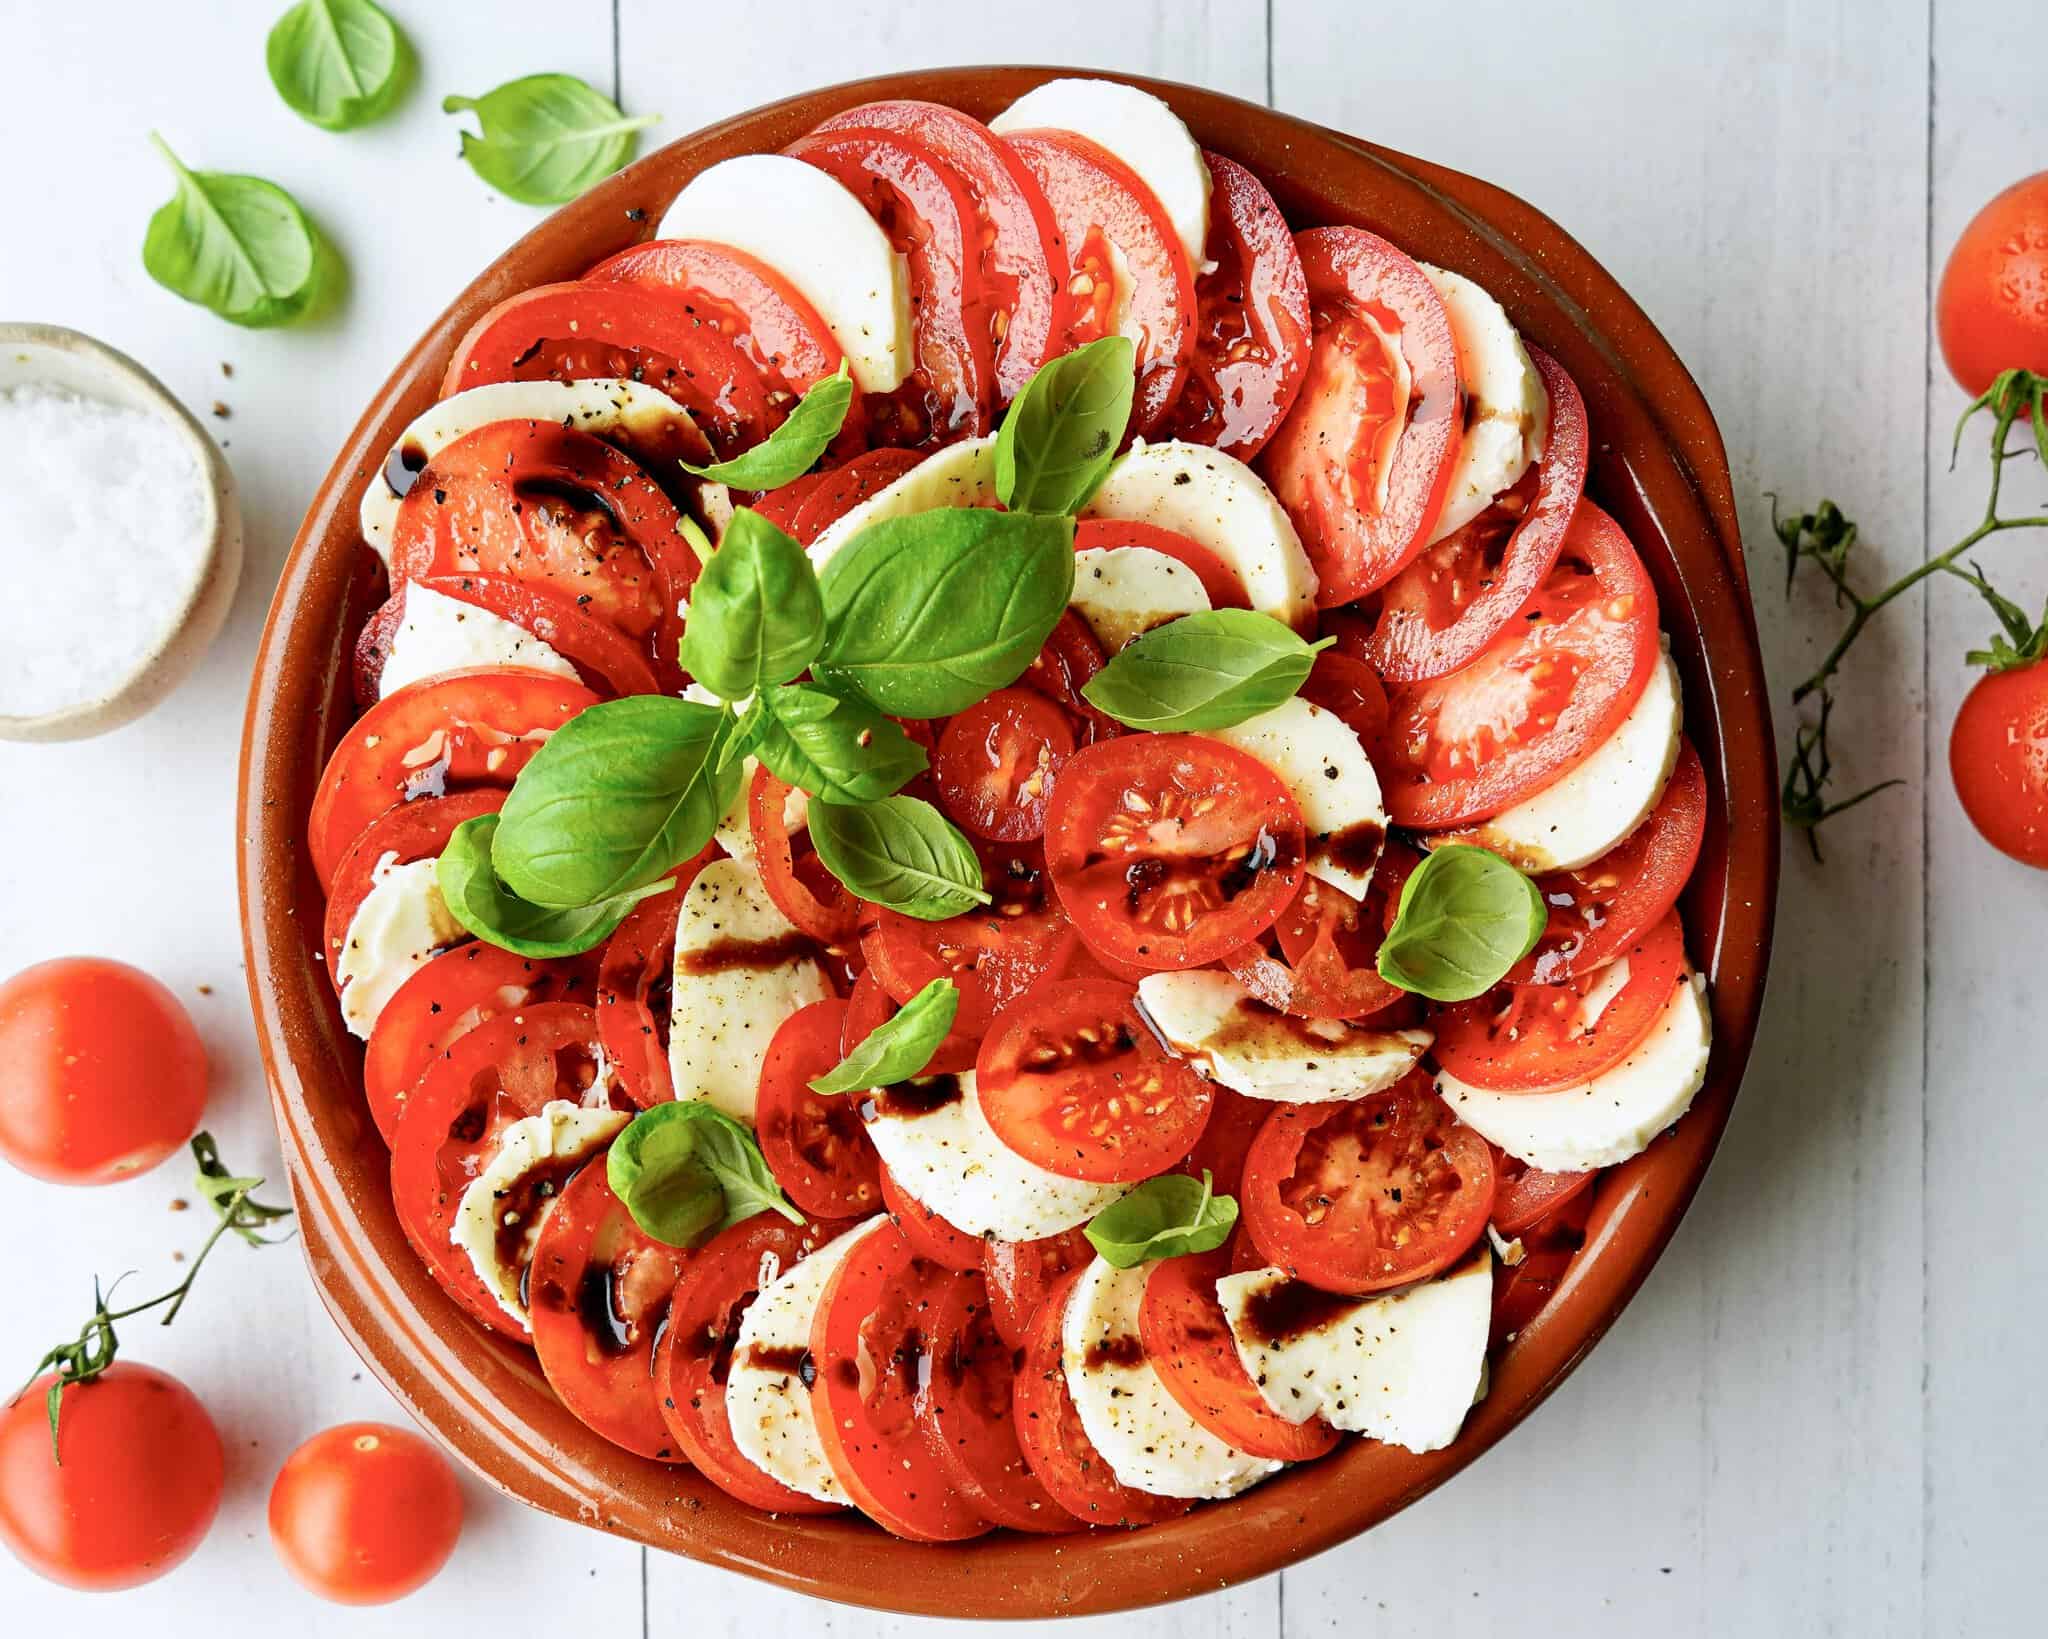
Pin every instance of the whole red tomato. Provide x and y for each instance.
(364, 1513)
(1992, 309)
(1998, 758)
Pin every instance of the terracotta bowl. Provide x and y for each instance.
(1659, 467)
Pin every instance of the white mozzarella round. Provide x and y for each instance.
(951, 1162)
(1137, 128)
(1228, 1036)
(397, 929)
(437, 633)
(1507, 412)
(1218, 502)
(960, 475)
(1403, 1368)
(1144, 1434)
(808, 228)
(1321, 761)
(1125, 591)
(1604, 1121)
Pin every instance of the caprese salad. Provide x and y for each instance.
(1011, 853)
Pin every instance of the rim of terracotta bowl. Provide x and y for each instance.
(1658, 466)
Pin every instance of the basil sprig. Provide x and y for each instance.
(487, 908)
(686, 1171)
(1056, 445)
(838, 748)
(1163, 1218)
(1466, 916)
(240, 246)
(755, 617)
(899, 1047)
(790, 450)
(338, 63)
(901, 853)
(1206, 671)
(547, 137)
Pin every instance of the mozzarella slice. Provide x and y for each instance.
(627, 413)
(767, 1394)
(507, 1197)
(1125, 591)
(1507, 412)
(437, 633)
(1218, 502)
(1576, 819)
(947, 1156)
(741, 968)
(1610, 1118)
(1319, 757)
(1144, 1434)
(397, 929)
(1229, 1036)
(809, 229)
(1403, 1368)
(1137, 128)
(960, 475)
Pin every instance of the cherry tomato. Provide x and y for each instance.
(815, 1143)
(1998, 758)
(365, 1513)
(930, 1236)
(1992, 309)
(635, 980)
(1219, 580)
(136, 1491)
(1019, 1274)
(104, 1074)
(996, 764)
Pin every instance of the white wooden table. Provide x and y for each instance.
(1824, 1412)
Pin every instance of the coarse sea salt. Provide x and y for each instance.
(103, 530)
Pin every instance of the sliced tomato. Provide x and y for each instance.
(1521, 1038)
(803, 890)
(872, 1344)
(1527, 1196)
(1446, 606)
(1348, 686)
(1363, 461)
(419, 830)
(842, 488)
(1219, 580)
(720, 1280)
(1538, 700)
(635, 980)
(1188, 1341)
(869, 1007)
(599, 1290)
(1069, 658)
(441, 735)
(1234, 1121)
(1328, 967)
(997, 760)
(1171, 850)
(1020, 1274)
(1523, 1291)
(814, 1143)
(931, 1236)
(1057, 1447)
(1252, 324)
(1074, 1081)
(1376, 1192)
(1127, 271)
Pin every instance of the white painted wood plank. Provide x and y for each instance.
(1743, 1451)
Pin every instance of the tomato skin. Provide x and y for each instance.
(365, 1513)
(81, 1038)
(815, 1143)
(997, 762)
(1991, 311)
(1998, 759)
(136, 1492)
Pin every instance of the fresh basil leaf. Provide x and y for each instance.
(547, 137)
(481, 903)
(838, 749)
(619, 795)
(239, 246)
(926, 614)
(791, 450)
(899, 1047)
(1466, 916)
(686, 1171)
(1163, 1218)
(737, 743)
(1055, 446)
(755, 616)
(338, 63)
(1212, 670)
(899, 852)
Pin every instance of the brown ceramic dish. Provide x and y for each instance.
(1659, 467)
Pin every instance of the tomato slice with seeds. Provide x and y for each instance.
(815, 1143)
(419, 830)
(1364, 1195)
(1527, 1195)
(599, 1289)
(803, 890)
(930, 1236)
(635, 979)
(1020, 1274)
(1328, 966)
(1188, 1341)
(1252, 324)
(1363, 460)
(1074, 1081)
(1538, 700)
(1171, 850)
(1069, 658)
(1219, 580)
(996, 764)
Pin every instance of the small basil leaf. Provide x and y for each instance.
(338, 63)
(547, 137)
(926, 614)
(481, 903)
(899, 852)
(737, 743)
(790, 451)
(1163, 1218)
(686, 1171)
(1206, 671)
(755, 615)
(1466, 916)
(899, 1047)
(619, 795)
(1056, 445)
(838, 749)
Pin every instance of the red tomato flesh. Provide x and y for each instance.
(1020, 1274)
(815, 1143)
(997, 761)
